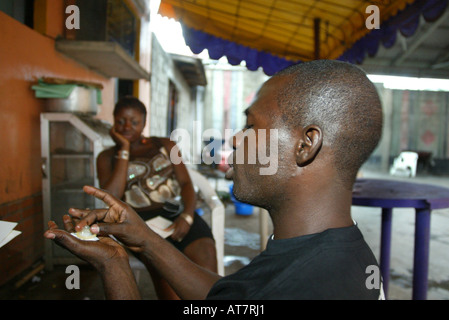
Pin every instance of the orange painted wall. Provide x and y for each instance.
(26, 55)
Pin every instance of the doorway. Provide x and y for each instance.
(172, 108)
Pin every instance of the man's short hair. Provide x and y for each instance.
(342, 101)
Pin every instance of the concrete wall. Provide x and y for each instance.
(413, 120)
(163, 72)
(229, 92)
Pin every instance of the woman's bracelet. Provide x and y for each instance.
(188, 218)
(123, 154)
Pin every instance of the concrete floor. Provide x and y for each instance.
(242, 243)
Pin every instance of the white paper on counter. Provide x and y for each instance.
(7, 233)
(158, 224)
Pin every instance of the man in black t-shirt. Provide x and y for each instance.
(318, 122)
(328, 265)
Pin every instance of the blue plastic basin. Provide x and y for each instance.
(241, 208)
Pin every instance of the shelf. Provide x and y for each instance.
(107, 58)
(70, 143)
(80, 155)
(72, 186)
(66, 190)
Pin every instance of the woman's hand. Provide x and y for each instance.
(120, 140)
(98, 253)
(181, 227)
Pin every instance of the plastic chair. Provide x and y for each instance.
(405, 164)
(217, 214)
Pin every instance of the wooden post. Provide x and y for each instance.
(316, 29)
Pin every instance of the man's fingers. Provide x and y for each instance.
(89, 218)
(50, 234)
(61, 237)
(110, 200)
(68, 223)
(52, 225)
(105, 229)
(79, 213)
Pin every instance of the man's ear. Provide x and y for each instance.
(308, 145)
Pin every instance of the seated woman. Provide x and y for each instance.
(138, 170)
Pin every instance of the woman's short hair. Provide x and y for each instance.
(130, 102)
